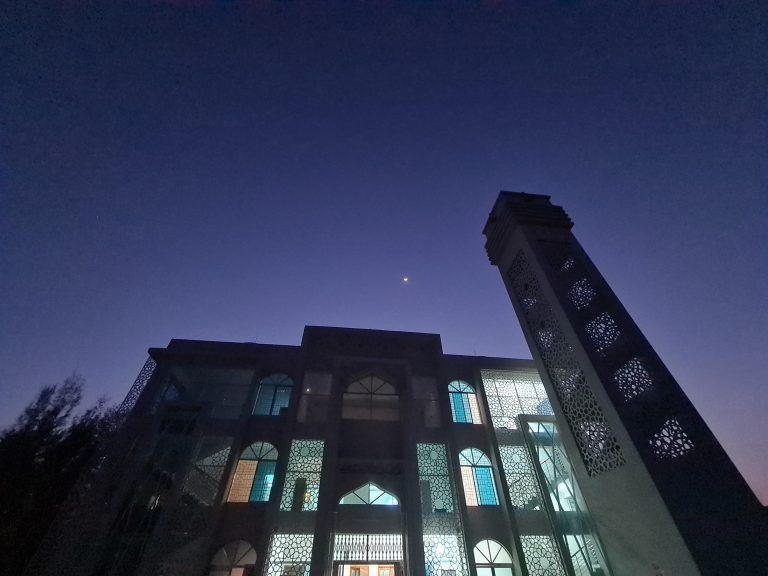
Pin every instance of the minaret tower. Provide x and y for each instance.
(650, 467)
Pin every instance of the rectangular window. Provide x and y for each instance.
(242, 480)
(262, 486)
(485, 489)
(457, 405)
(474, 410)
(468, 480)
(302, 480)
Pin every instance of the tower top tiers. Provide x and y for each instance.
(513, 209)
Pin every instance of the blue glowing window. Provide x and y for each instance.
(464, 407)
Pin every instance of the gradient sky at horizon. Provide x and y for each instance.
(236, 170)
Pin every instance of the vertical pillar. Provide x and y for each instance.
(664, 495)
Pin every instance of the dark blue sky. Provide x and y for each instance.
(234, 171)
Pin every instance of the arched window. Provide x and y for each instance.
(369, 494)
(371, 398)
(463, 403)
(492, 559)
(233, 559)
(254, 474)
(274, 394)
(477, 478)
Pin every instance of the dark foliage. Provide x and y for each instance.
(41, 456)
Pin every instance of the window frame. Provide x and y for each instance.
(465, 408)
(274, 385)
(243, 476)
(477, 487)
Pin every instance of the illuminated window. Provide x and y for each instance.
(492, 559)
(369, 494)
(302, 480)
(463, 403)
(477, 478)
(274, 395)
(371, 398)
(233, 559)
(254, 474)
(289, 555)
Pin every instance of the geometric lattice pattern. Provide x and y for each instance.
(203, 480)
(510, 394)
(289, 555)
(603, 331)
(671, 441)
(632, 379)
(441, 527)
(368, 547)
(598, 446)
(444, 553)
(523, 488)
(581, 294)
(541, 556)
(434, 478)
(138, 387)
(304, 463)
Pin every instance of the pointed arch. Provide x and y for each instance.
(369, 495)
(233, 559)
(371, 398)
(477, 478)
(255, 474)
(464, 407)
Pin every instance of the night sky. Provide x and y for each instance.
(236, 170)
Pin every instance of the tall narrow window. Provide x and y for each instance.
(371, 398)
(254, 474)
(477, 478)
(274, 394)
(492, 559)
(463, 403)
(302, 480)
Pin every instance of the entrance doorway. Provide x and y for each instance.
(368, 555)
(367, 570)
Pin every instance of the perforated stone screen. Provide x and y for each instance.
(289, 554)
(596, 442)
(671, 441)
(523, 489)
(603, 332)
(433, 477)
(511, 393)
(304, 462)
(541, 556)
(581, 293)
(632, 379)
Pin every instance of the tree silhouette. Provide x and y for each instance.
(41, 456)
